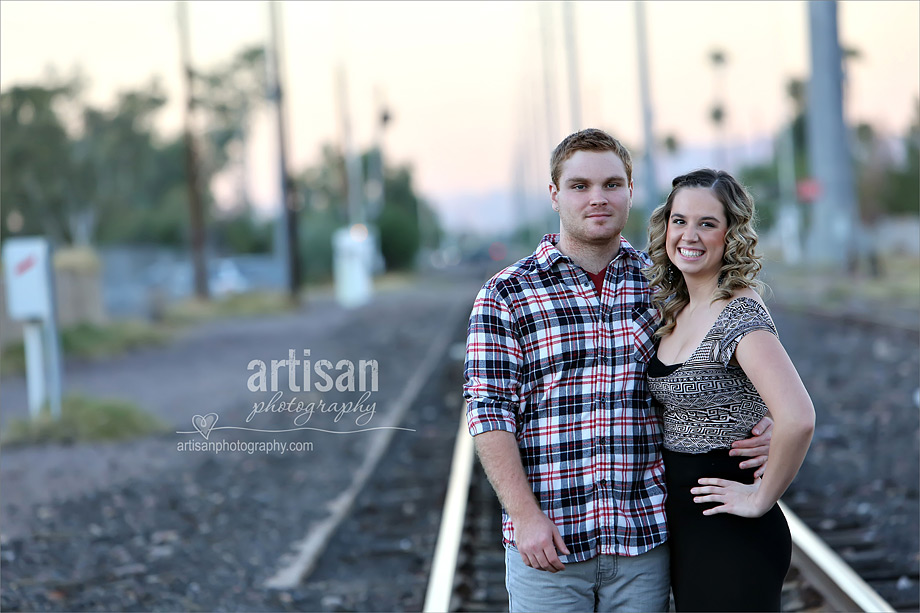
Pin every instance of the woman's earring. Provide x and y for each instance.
(721, 278)
(671, 273)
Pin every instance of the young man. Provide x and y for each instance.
(558, 403)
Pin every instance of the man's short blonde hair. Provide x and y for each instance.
(591, 139)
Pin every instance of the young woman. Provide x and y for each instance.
(719, 369)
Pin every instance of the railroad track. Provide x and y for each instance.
(468, 573)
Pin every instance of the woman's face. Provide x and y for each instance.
(695, 240)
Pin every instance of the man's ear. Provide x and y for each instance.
(554, 196)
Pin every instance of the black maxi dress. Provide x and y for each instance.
(720, 562)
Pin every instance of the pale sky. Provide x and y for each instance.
(464, 79)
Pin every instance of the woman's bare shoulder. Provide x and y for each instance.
(748, 292)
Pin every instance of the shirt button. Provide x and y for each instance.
(603, 482)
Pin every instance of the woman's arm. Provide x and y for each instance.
(769, 368)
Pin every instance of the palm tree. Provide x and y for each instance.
(718, 59)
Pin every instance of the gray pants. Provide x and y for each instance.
(603, 583)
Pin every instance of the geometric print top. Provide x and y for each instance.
(564, 370)
(708, 403)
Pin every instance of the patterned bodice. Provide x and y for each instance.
(708, 403)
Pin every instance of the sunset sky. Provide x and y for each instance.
(464, 79)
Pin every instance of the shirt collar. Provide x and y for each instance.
(548, 256)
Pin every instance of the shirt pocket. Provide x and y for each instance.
(644, 324)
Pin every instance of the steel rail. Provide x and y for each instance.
(444, 564)
(825, 571)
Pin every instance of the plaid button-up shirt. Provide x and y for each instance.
(564, 371)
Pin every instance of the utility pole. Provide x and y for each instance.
(788, 212)
(651, 189)
(353, 172)
(196, 207)
(353, 247)
(288, 194)
(571, 49)
(549, 76)
(832, 233)
(788, 223)
(536, 153)
(376, 192)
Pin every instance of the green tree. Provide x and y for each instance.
(902, 195)
(105, 176)
(73, 187)
(795, 89)
(323, 189)
(241, 232)
(35, 160)
(399, 219)
(116, 160)
(228, 95)
(762, 183)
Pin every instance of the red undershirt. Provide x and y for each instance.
(598, 279)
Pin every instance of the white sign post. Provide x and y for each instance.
(352, 261)
(30, 299)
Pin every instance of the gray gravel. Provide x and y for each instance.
(143, 526)
(861, 476)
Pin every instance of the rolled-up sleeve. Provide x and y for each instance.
(493, 365)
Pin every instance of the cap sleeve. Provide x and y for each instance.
(742, 316)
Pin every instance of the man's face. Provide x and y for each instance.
(593, 198)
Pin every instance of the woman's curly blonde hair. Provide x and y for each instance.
(740, 264)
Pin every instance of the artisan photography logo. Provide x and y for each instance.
(297, 387)
(305, 376)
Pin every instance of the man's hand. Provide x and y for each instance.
(536, 536)
(735, 498)
(537, 539)
(757, 447)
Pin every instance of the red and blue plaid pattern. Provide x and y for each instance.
(564, 372)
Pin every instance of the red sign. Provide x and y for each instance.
(23, 266)
(808, 190)
(497, 251)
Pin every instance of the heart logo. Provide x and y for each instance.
(204, 423)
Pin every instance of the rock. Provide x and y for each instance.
(160, 551)
(332, 603)
(128, 570)
(164, 536)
